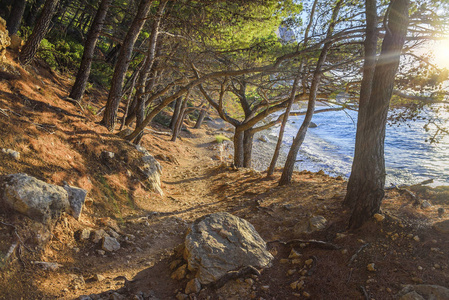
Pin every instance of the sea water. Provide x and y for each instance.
(409, 156)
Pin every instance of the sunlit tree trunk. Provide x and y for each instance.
(368, 170)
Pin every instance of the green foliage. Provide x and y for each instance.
(62, 55)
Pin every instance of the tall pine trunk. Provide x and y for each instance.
(368, 170)
(115, 94)
(40, 30)
(89, 48)
(15, 17)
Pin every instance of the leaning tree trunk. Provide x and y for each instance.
(200, 119)
(15, 18)
(89, 48)
(368, 170)
(115, 93)
(40, 29)
(176, 112)
(146, 69)
(286, 176)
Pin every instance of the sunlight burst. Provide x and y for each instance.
(441, 53)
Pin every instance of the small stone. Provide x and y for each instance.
(101, 252)
(370, 267)
(180, 273)
(379, 217)
(181, 296)
(417, 280)
(84, 234)
(340, 235)
(361, 241)
(293, 285)
(300, 284)
(305, 294)
(284, 261)
(265, 287)
(303, 272)
(388, 290)
(420, 268)
(296, 261)
(371, 280)
(99, 277)
(416, 238)
(12, 153)
(410, 235)
(294, 254)
(344, 251)
(110, 244)
(193, 286)
(249, 281)
(291, 272)
(76, 250)
(303, 245)
(394, 236)
(437, 266)
(308, 262)
(441, 212)
(425, 204)
(98, 235)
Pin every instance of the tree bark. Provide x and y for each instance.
(176, 112)
(368, 169)
(238, 148)
(248, 136)
(300, 136)
(180, 119)
(200, 119)
(146, 69)
(33, 13)
(40, 30)
(369, 64)
(115, 94)
(15, 17)
(89, 48)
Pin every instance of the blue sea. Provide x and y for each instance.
(410, 158)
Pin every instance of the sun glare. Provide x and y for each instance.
(441, 53)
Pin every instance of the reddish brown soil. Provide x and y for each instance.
(60, 142)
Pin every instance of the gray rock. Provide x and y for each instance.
(110, 244)
(77, 196)
(12, 153)
(151, 169)
(219, 243)
(423, 291)
(47, 265)
(84, 234)
(310, 225)
(313, 125)
(442, 226)
(425, 204)
(98, 235)
(34, 198)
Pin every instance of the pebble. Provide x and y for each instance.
(99, 277)
(305, 294)
(416, 238)
(437, 266)
(284, 261)
(12, 153)
(379, 217)
(249, 281)
(344, 251)
(294, 254)
(296, 261)
(101, 252)
(308, 262)
(303, 245)
(193, 286)
(370, 267)
(291, 272)
(265, 287)
(181, 296)
(340, 235)
(293, 285)
(420, 268)
(110, 244)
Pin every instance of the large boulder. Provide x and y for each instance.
(38, 200)
(218, 243)
(151, 169)
(442, 226)
(423, 291)
(76, 197)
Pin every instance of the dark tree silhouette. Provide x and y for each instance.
(15, 17)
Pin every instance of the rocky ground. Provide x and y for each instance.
(303, 224)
